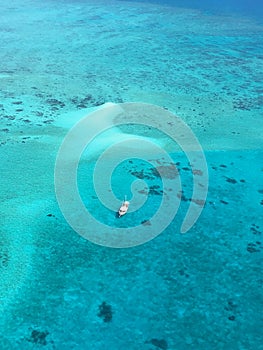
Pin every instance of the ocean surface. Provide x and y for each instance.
(200, 290)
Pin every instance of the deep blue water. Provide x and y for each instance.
(244, 7)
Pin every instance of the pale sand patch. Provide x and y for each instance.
(215, 123)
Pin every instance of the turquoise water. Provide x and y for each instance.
(199, 290)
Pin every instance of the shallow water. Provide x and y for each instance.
(200, 290)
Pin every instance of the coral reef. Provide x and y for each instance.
(105, 312)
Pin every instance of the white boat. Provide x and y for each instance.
(124, 208)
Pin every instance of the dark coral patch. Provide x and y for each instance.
(39, 114)
(231, 306)
(4, 258)
(154, 190)
(55, 103)
(159, 343)
(252, 248)
(231, 180)
(232, 318)
(9, 117)
(17, 102)
(87, 101)
(38, 337)
(105, 312)
(142, 175)
(254, 230)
